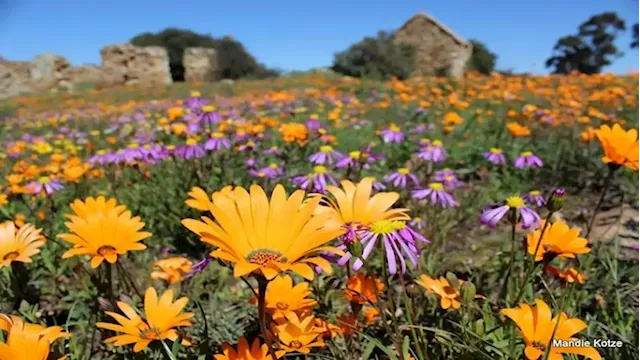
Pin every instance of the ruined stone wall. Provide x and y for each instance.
(437, 51)
(200, 65)
(126, 64)
(50, 71)
(44, 72)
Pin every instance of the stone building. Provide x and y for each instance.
(439, 51)
(125, 64)
(200, 64)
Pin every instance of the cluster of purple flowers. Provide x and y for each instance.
(432, 150)
(526, 159)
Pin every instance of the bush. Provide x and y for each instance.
(482, 59)
(234, 61)
(379, 57)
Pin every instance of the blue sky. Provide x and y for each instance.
(299, 35)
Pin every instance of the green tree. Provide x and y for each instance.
(482, 59)
(379, 57)
(591, 49)
(234, 61)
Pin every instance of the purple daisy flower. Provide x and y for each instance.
(417, 223)
(250, 162)
(199, 266)
(448, 178)
(273, 151)
(317, 181)
(399, 178)
(535, 198)
(437, 194)
(101, 157)
(313, 124)
(217, 142)
(399, 241)
(434, 151)
(514, 205)
(376, 185)
(527, 160)
(130, 155)
(495, 156)
(422, 128)
(392, 134)
(326, 155)
(270, 172)
(195, 101)
(355, 158)
(208, 116)
(46, 184)
(191, 150)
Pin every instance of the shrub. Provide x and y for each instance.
(482, 59)
(378, 56)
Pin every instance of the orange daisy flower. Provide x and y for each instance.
(103, 230)
(558, 240)
(363, 289)
(620, 147)
(19, 245)
(283, 299)
(248, 232)
(537, 328)
(171, 270)
(244, 352)
(162, 318)
(449, 296)
(570, 275)
(298, 335)
(27, 341)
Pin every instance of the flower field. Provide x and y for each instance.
(323, 218)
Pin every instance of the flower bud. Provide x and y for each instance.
(355, 248)
(105, 305)
(452, 279)
(556, 200)
(467, 291)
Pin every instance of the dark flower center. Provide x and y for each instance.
(11, 256)
(295, 344)
(106, 250)
(263, 257)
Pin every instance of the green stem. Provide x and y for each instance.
(396, 335)
(167, 351)
(410, 314)
(607, 182)
(262, 318)
(555, 328)
(532, 263)
(505, 286)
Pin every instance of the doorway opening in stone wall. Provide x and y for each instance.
(177, 71)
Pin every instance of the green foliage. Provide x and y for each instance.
(234, 61)
(591, 49)
(377, 57)
(634, 41)
(482, 59)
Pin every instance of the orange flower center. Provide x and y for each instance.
(282, 306)
(106, 250)
(149, 334)
(295, 344)
(538, 345)
(11, 256)
(263, 257)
